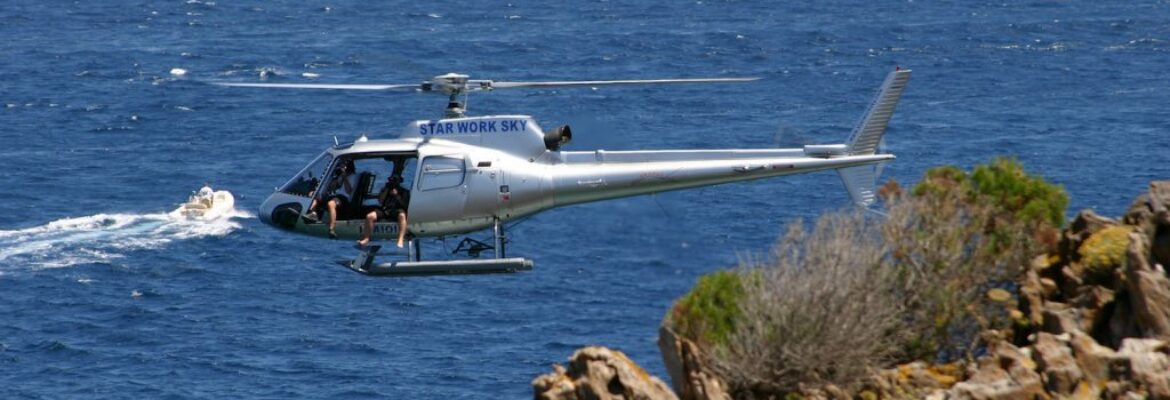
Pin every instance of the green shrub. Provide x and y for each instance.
(960, 235)
(1029, 198)
(707, 313)
(940, 181)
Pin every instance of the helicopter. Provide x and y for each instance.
(471, 173)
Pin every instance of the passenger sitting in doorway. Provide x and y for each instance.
(392, 201)
(343, 185)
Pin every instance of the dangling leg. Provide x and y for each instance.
(371, 217)
(401, 228)
(311, 213)
(332, 218)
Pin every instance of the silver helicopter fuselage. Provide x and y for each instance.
(475, 172)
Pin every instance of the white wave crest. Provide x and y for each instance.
(103, 237)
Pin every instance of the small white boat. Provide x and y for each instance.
(205, 205)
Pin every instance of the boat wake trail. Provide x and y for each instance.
(104, 237)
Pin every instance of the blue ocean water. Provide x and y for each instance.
(101, 296)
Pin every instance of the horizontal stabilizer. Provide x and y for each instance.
(868, 132)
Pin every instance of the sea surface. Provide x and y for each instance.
(103, 296)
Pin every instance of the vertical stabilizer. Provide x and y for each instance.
(868, 132)
(860, 181)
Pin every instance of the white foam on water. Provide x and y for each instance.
(103, 237)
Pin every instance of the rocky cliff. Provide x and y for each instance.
(1091, 320)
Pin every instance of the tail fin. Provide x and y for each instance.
(866, 136)
(869, 130)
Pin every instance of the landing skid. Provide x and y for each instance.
(413, 265)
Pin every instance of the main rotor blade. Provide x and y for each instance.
(333, 86)
(502, 84)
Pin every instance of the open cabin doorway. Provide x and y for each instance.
(371, 173)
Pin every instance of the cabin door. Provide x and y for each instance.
(440, 190)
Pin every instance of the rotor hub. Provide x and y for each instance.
(451, 83)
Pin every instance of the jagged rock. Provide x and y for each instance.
(1150, 212)
(1093, 304)
(1048, 287)
(1149, 289)
(1147, 364)
(1092, 358)
(1031, 301)
(1059, 318)
(689, 376)
(1069, 275)
(1121, 323)
(914, 380)
(1085, 224)
(599, 373)
(1121, 390)
(1061, 373)
(1071, 278)
(1007, 373)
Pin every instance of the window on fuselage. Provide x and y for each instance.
(440, 172)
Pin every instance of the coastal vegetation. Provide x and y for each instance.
(968, 285)
(856, 292)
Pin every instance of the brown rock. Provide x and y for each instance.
(1153, 206)
(1059, 318)
(1039, 263)
(1071, 278)
(1121, 390)
(1093, 359)
(1048, 287)
(1147, 364)
(1149, 289)
(1151, 214)
(599, 373)
(1008, 373)
(1060, 370)
(1031, 301)
(1085, 224)
(689, 375)
(827, 392)
(1094, 304)
(918, 376)
(915, 380)
(1068, 274)
(1121, 323)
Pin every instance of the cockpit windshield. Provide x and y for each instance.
(305, 182)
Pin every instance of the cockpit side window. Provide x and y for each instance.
(305, 182)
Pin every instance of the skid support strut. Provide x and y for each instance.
(498, 231)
